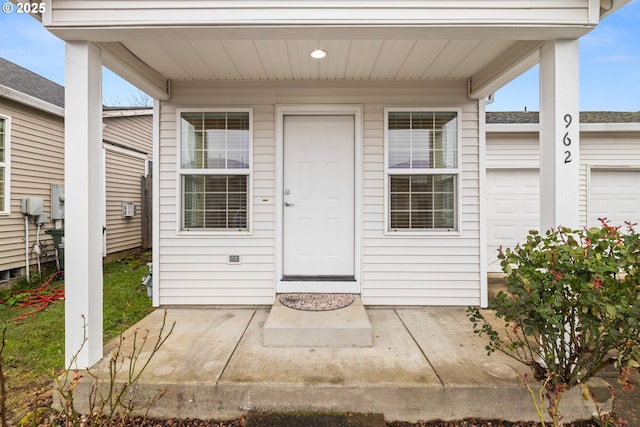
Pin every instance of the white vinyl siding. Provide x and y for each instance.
(560, 12)
(404, 270)
(438, 269)
(5, 171)
(194, 267)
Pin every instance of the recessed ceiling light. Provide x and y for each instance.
(318, 54)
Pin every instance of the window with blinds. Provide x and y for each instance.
(215, 169)
(422, 169)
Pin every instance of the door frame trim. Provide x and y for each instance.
(354, 110)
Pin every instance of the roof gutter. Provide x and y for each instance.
(607, 7)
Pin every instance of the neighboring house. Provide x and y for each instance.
(609, 174)
(31, 160)
(316, 146)
(32, 165)
(127, 142)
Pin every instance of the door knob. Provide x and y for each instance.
(288, 204)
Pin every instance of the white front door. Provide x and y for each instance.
(318, 211)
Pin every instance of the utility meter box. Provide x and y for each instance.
(32, 206)
(57, 201)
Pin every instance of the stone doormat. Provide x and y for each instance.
(316, 302)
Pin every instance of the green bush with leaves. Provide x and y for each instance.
(572, 303)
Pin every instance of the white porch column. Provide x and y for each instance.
(83, 203)
(559, 134)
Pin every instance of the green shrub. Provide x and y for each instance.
(572, 303)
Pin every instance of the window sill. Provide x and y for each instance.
(422, 233)
(214, 233)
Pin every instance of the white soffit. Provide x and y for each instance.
(281, 60)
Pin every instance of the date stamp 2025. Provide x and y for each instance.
(28, 7)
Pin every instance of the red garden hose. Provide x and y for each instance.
(40, 297)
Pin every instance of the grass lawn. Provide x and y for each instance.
(34, 347)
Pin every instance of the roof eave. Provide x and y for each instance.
(31, 101)
(584, 127)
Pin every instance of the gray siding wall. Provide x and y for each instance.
(134, 132)
(37, 162)
(123, 169)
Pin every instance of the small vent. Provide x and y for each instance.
(128, 209)
(234, 259)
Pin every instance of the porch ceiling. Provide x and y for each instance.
(487, 57)
(359, 59)
(486, 63)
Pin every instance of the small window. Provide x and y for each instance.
(422, 169)
(215, 169)
(4, 165)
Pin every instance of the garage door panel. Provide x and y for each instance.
(509, 233)
(615, 195)
(513, 203)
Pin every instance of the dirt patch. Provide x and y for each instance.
(315, 419)
(278, 419)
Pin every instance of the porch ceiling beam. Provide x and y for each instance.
(514, 62)
(106, 35)
(121, 61)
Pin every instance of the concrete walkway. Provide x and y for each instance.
(425, 364)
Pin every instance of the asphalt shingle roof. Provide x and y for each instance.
(511, 117)
(22, 80)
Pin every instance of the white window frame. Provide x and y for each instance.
(7, 165)
(181, 172)
(457, 172)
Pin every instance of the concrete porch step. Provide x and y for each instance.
(425, 364)
(343, 328)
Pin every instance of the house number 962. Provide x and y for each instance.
(566, 141)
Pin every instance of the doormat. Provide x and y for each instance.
(316, 302)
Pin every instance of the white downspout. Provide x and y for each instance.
(26, 244)
(482, 195)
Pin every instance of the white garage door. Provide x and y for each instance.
(615, 195)
(513, 208)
